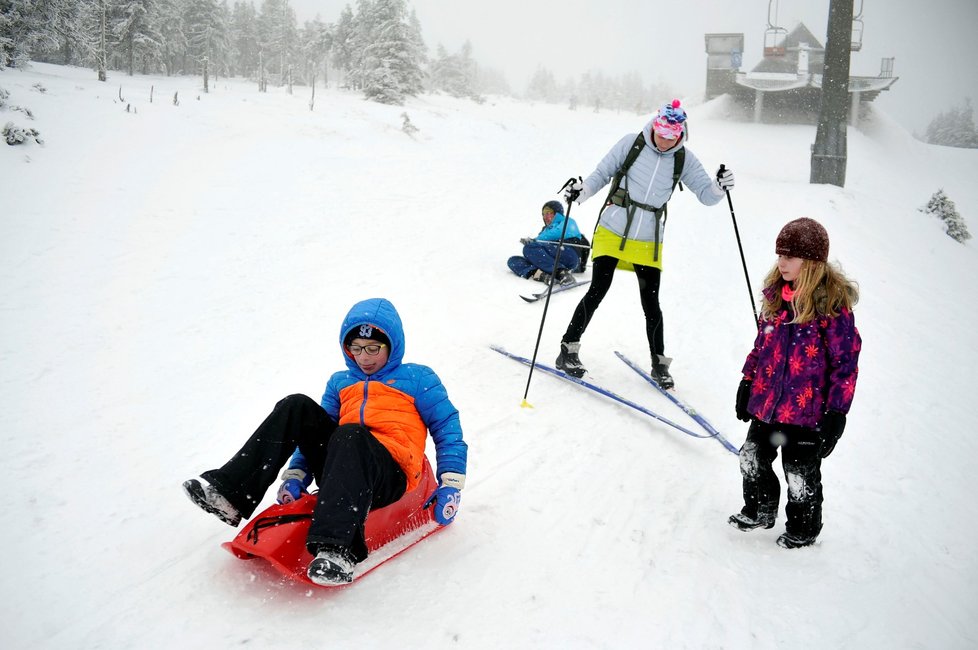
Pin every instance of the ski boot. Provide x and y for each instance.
(660, 371)
(568, 361)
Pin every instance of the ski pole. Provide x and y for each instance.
(549, 241)
(550, 288)
(743, 261)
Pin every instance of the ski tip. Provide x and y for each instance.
(526, 405)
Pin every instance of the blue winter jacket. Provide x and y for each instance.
(552, 232)
(400, 403)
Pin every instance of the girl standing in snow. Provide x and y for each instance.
(798, 383)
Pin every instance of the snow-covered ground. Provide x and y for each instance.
(168, 273)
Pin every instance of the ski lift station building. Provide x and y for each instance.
(786, 84)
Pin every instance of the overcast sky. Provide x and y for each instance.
(934, 43)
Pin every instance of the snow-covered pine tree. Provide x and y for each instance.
(954, 127)
(944, 209)
(135, 31)
(59, 30)
(243, 35)
(542, 86)
(21, 29)
(277, 37)
(316, 39)
(207, 37)
(342, 49)
(363, 33)
(392, 62)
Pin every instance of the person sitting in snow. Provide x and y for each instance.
(364, 444)
(631, 225)
(798, 383)
(539, 254)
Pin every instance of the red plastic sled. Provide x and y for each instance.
(278, 533)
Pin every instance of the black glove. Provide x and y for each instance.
(743, 395)
(832, 426)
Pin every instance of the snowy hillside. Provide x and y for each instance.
(168, 273)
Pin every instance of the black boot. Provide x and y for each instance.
(568, 361)
(745, 523)
(788, 540)
(660, 371)
(333, 565)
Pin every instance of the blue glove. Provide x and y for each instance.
(447, 500)
(293, 486)
(448, 497)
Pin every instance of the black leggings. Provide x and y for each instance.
(603, 272)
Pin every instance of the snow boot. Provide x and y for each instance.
(207, 498)
(564, 277)
(788, 540)
(660, 371)
(333, 565)
(568, 361)
(540, 276)
(796, 540)
(742, 522)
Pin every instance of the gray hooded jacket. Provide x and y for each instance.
(649, 182)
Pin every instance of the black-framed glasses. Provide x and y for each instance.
(372, 349)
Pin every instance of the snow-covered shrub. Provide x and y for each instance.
(943, 208)
(14, 134)
(3, 97)
(408, 126)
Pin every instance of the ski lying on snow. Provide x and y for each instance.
(688, 410)
(597, 389)
(557, 289)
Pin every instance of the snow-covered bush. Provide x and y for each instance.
(943, 208)
(14, 134)
(408, 126)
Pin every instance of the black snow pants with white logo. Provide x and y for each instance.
(802, 470)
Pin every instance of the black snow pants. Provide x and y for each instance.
(802, 470)
(354, 471)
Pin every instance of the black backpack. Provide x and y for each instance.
(618, 195)
(584, 252)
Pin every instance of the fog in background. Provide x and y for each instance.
(933, 42)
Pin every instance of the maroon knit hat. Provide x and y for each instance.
(804, 238)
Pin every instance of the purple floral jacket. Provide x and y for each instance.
(800, 372)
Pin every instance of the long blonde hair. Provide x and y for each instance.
(821, 289)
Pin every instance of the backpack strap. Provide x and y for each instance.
(622, 199)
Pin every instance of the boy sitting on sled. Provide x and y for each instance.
(364, 444)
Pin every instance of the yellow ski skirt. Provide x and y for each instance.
(642, 253)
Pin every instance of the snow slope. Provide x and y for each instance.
(168, 273)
